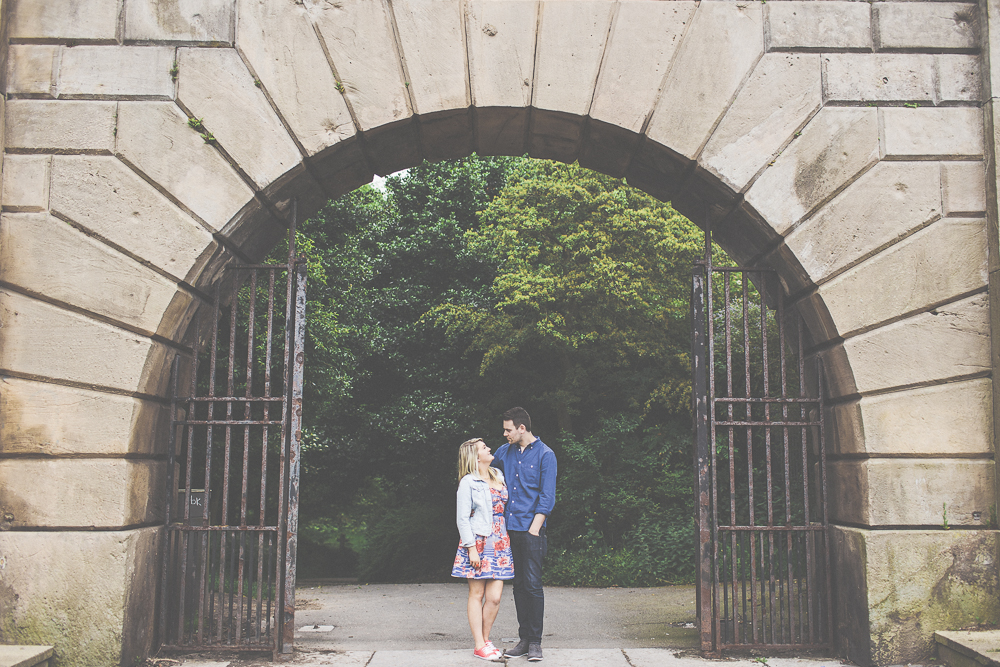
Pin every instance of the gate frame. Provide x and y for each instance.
(286, 530)
(706, 490)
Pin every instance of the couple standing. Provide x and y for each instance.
(503, 503)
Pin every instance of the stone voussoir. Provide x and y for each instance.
(501, 38)
(430, 36)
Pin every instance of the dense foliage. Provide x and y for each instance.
(469, 286)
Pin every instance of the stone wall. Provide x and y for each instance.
(842, 143)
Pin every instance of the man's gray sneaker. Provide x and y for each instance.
(534, 652)
(518, 651)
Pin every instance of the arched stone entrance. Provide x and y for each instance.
(148, 143)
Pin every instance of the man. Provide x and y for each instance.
(529, 468)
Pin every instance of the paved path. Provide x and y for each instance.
(418, 625)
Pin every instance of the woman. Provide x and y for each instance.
(483, 556)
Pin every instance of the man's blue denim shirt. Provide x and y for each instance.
(531, 481)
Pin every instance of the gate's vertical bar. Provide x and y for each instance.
(809, 542)
(745, 278)
(294, 451)
(826, 519)
(701, 454)
(762, 292)
(787, 451)
(171, 446)
(263, 457)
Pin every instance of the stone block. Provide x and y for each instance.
(102, 493)
(643, 32)
(46, 256)
(722, 45)
(962, 188)
(103, 196)
(155, 139)
(834, 148)
(958, 78)
(141, 72)
(46, 419)
(926, 25)
(186, 21)
(63, 126)
(800, 24)
(571, 40)
(393, 147)
(26, 182)
(358, 35)
(71, 589)
(342, 168)
(950, 341)
(656, 169)
(918, 421)
(608, 148)
(214, 85)
(911, 492)
(781, 94)
(898, 77)
(279, 42)
(501, 45)
(898, 586)
(501, 130)
(31, 70)
(446, 135)
(928, 132)
(431, 36)
(42, 340)
(554, 135)
(886, 203)
(70, 20)
(938, 263)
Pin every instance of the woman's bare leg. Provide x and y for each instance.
(491, 605)
(476, 589)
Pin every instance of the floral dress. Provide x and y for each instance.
(494, 549)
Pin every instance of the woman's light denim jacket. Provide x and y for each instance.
(475, 508)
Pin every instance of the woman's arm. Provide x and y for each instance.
(462, 512)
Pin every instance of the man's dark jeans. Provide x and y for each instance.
(529, 599)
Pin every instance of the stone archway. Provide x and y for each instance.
(147, 144)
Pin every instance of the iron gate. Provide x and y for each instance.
(763, 574)
(228, 577)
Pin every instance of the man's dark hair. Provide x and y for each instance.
(519, 416)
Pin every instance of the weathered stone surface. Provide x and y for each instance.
(720, 48)
(958, 78)
(116, 71)
(950, 341)
(180, 20)
(155, 138)
(47, 256)
(897, 77)
(911, 492)
(501, 37)
(888, 201)
(70, 20)
(783, 91)
(836, 25)
(836, 145)
(53, 420)
(918, 421)
(60, 127)
(923, 25)
(932, 132)
(279, 42)
(643, 32)
(31, 69)
(555, 135)
(26, 182)
(43, 340)
(938, 263)
(215, 86)
(106, 493)
(70, 589)
(571, 39)
(962, 188)
(358, 35)
(430, 33)
(105, 197)
(907, 584)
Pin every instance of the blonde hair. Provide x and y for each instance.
(468, 461)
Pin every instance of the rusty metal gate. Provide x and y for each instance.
(763, 564)
(228, 577)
